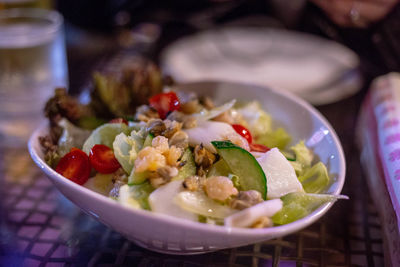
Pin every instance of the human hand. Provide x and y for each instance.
(355, 13)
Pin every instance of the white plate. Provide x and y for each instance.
(318, 70)
(167, 234)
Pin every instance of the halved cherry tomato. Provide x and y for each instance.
(259, 148)
(243, 132)
(103, 160)
(165, 103)
(118, 120)
(75, 166)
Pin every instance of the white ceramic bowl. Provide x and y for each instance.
(177, 236)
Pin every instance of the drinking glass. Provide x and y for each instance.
(32, 63)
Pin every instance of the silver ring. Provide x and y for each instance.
(354, 14)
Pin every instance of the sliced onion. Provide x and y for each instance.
(247, 217)
(205, 114)
(197, 202)
(161, 201)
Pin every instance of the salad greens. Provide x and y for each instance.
(184, 157)
(105, 135)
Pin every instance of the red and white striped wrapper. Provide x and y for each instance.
(378, 134)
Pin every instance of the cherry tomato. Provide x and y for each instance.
(103, 160)
(243, 132)
(165, 103)
(259, 148)
(75, 166)
(118, 120)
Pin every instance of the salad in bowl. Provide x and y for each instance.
(183, 158)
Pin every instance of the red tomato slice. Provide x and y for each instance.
(118, 120)
(243, 132)
(75, 166)
(165, 103)
(103, 160)
(259, 148)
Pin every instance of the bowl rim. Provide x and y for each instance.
(214, 229)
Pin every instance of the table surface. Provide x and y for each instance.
(39, 227)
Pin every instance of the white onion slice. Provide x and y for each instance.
(197, 202)
(247, 217)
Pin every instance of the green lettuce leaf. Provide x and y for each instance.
(304, 155)
(141, 194)
(298, 205)
(72, 136)
(125, 151)
(136, 196)
(105, 135)
(278, 138)
(259, 122)
(315, 179)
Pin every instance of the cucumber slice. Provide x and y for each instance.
(104, 135)
(243, 164)
(136, 178)
(219, 168)
(189, 169)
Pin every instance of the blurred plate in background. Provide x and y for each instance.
(318, 70)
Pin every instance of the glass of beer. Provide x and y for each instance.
(32, 63)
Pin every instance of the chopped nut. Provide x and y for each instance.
(190, 107)
(162, 176)
(171, 128)
(156, 181)
(172, 155)
(262, 222)
(201, 171)
(167, 172)
(176, 116)
(219, 188)
(189, 122)
(193, 183)
(207, 102)
(203, 157)
(146, 113)
(179, 139)
(156, 127)
(50, 150)
(246, 199)
(225, 117)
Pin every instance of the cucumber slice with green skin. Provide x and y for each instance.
(243, 164)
